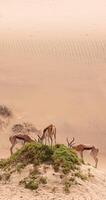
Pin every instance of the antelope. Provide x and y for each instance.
(13, 139)
(81, 148)
(48, 133)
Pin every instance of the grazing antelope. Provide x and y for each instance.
(13, 139)
(48, 133)
(81, 148)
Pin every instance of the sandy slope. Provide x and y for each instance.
(95, 189)
(52, 66)
(52, 69)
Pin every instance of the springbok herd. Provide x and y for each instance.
(49, 136)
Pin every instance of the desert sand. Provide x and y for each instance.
(94, 189)
(52, 70)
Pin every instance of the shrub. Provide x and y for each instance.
(19, 167)
(31, 184)
(5, 176)
(65, 158)
(17, 128)
(81, 176)
(4, 163)
(34, 153)
(67, 187)
(5, 111)
(24, 128)
(43, 180)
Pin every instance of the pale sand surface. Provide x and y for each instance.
(94, 189)
(52, 66)
(53, 70)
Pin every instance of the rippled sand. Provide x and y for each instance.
(52, 66)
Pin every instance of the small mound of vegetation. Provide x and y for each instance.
(33, 182)
(60, 157)
(65, 158)
(80, 175)
(5, 111)
(29, 183)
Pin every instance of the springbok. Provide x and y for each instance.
(13, 139)
(81, 148)
(48, 133)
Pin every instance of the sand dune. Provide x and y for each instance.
(52, 65)
(94, 189)
(52, 70)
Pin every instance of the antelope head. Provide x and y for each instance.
(70, 144)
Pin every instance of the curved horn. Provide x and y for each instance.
(39, 136)
(70, 144)
(68, 141)
(72, 140)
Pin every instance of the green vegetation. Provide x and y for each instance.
(29, 183)
(5, 176)
(67, 187)
(32, 182)
(68, 182)
(59, 156)
(80, 175)
(65, 158)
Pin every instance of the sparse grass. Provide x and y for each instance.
(19, 167)
(4, 163)
(66, 187)
(30, 184)
(68, 182)
(81, 176)
(90, 175)
(43, 180)
(33, 182)
(35, 172)
(5, 177)
(53, 190)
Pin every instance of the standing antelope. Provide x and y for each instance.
(48, 133)
(81, 148)
(13, 139)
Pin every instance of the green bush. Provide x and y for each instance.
(59, 156)
(81, 176)
(31, 184)
(65, 158)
